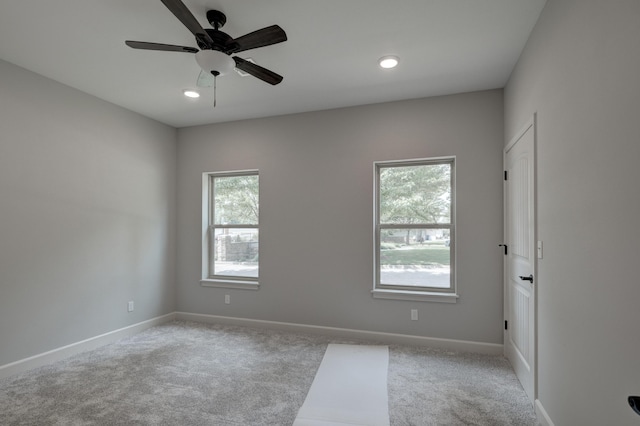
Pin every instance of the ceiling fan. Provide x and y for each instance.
(216, 47)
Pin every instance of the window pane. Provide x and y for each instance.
(415, 194)
(235, 252)
(415, 257)
(236, 200)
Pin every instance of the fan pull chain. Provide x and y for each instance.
(215, 75)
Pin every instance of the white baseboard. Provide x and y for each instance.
(84, 345)
(541, 414)
(388, 338)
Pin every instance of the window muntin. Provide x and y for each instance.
(414, 225)
(233, 226)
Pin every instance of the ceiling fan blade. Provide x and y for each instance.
(260, 38)
(159, 46)
(205, 79)
(188, 20)
(257, 71)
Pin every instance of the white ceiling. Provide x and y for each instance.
(328, 61)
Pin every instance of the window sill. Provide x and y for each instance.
(244, 285)
(418, 296)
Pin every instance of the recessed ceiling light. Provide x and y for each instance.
(191, 93)
(388, 61)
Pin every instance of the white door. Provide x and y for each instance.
(520, 267)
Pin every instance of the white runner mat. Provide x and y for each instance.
(350, 388)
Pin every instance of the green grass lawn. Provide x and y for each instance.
(423, 255)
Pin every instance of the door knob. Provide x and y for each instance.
(529, 278)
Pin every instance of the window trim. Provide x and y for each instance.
(220, 281)
(414, 293)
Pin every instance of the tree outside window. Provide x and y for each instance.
(233, 226)
(414, 225)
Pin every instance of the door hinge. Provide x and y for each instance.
(505, 175)
(506, 250)
(506, 324)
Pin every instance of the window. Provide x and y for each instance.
(230, 229)
(415, 229)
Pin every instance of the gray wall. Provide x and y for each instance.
(87, 215)
(316, 213)
(580, 72)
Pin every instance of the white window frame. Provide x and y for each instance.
(207, 279)
(397, 292)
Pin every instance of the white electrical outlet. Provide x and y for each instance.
(414, 315)
(227, 299)
(130, 306)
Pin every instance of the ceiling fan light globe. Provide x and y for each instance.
(214, 60)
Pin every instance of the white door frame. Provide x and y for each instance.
(530, 124)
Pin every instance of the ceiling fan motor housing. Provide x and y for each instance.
(215, 62)
(221, 40)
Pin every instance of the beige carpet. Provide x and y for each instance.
(186, 373)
